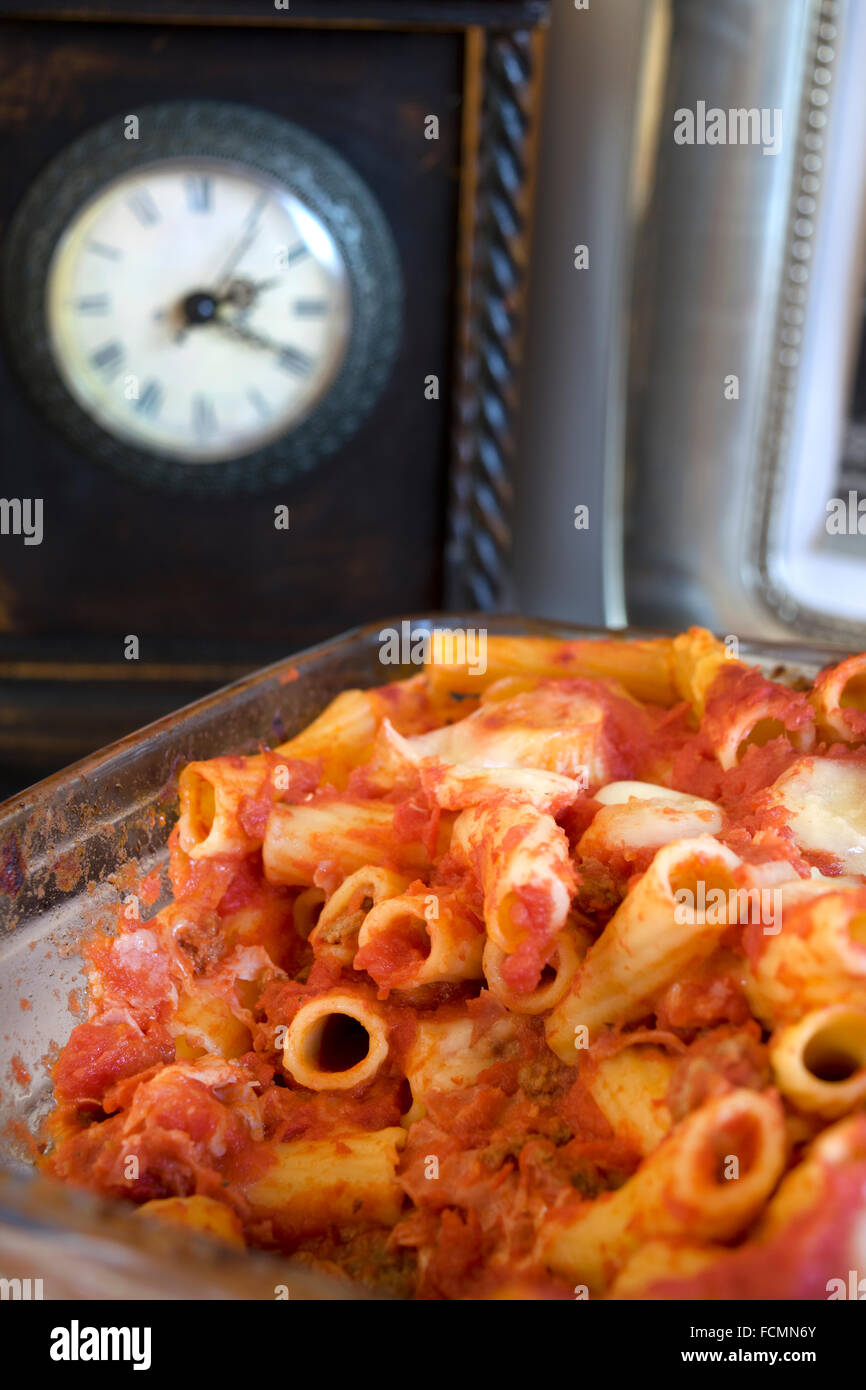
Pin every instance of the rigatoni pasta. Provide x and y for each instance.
(339, 922)
(648, 943)
(817, 958)
(420, 938)
(327, 841)
(839, 700)
(570, 947)
(520, 859)
(211, 794)
(348, 1178)
(736, 705)
(708, 1180)
(819, 1063)
(538, 977)
(335, 1042)
(630, 1087)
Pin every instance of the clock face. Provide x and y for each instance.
(212, 304)
(197, 308)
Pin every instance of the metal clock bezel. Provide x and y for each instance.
(270, 146)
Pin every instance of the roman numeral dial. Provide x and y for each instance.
(197, 309)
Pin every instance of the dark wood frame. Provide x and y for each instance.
(425, 14)
(504, 47)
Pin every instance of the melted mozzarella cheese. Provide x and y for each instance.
(825, 802)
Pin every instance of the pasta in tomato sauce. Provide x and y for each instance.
(543, 983)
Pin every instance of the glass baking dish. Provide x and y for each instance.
(70, 848)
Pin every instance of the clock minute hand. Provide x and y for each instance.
(291, 358)
(250, 229)
(239, 330)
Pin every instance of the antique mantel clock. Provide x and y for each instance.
(256, 262)
(202, 295)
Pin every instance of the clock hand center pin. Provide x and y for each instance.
(203, 306)
(199, 307)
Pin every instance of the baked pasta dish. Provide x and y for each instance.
(546, 982)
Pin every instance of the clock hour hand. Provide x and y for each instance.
(244, 293)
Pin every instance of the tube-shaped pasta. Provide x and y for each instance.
(210, 795)
(560, 969)
(707, 1181)
(839, 699)
(802, 1189)
(341, 736)
(820, 1062)
(313, 1184)
(456, 786)
(335, 935)
(642, 667)
(817, 958)
(551, 728)
(736, 705)
(203, 1215)
(307, 909)
(651, 938)
(696, 659)
(630, 1088)
(521, 859)
(204, 1023)
(660, 1260)
(262, 920)
(810, 1228)
(419, 939)
(338, 837)
(447, 1052)
(745, 710)
(335, 1042)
